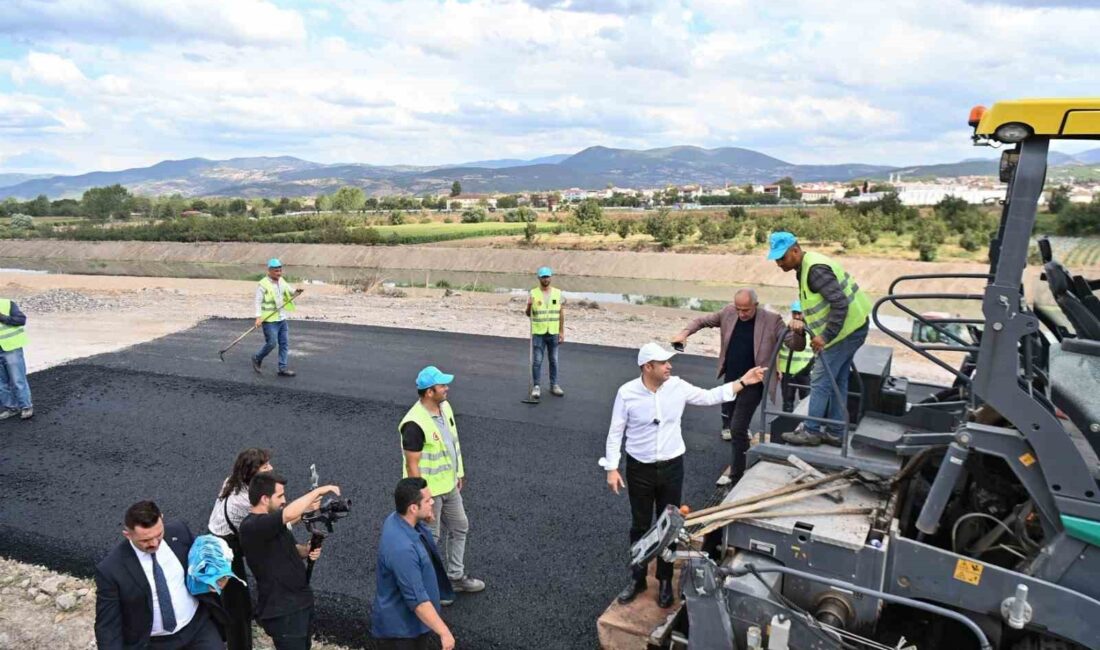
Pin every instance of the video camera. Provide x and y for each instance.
(320, 522)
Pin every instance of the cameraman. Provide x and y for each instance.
(285, 604)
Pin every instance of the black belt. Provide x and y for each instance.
(659, 463)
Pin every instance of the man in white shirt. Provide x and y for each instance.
(142, 599)
(647, 414)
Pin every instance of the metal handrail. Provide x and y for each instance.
(818, 358)
(924, 349)
(937, 276)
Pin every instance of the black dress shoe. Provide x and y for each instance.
(287, 373)
(664, 593)
(631, 591)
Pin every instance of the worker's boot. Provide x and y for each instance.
(801, 437)
(287, 372)
(831, 440)
(557, 391)
(726, 435)
(664, 593)
(256, 365)
(631, 591)
(536, 392)
(26, 413)
(8, 413)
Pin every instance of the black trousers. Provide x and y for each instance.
(290, 632)
(737, 416)
(199, 634)
(415, 643)
(791, 391)
(237, 602)
(651, 487)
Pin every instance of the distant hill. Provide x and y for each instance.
(594, 167)
(7, 180)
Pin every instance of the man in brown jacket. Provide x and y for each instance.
(749, 336)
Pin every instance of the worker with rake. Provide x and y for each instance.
(274, 298)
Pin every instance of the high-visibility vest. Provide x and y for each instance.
(11, 337)
(436, 465)
(792, 362)
(545, 319)
(815, 309)
(269, 307)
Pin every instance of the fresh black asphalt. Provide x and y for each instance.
(164, 420)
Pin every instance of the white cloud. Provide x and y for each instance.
(49, 69)
(235, 22)
(427, 81)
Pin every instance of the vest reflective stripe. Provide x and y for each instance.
(815, 309)
(792, 362)
(270, 304)
(436, 466)
(11, 337)
(545, 319)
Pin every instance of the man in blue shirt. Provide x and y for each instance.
(411, 577)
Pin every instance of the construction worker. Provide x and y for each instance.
(647, 414)
(545, 308)
(835, 315)
(15, 392)
(274, 298)
(795, 366)
(429, 442)
(748, 334)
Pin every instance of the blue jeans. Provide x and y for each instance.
(273, 332)
(15, 392)
(822, 398)
(540, 343)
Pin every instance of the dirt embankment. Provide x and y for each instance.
(874, 275)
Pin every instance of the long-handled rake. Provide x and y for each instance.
(221, 353)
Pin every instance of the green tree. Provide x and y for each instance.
(237, 206)
(397, 218)
(624, 227)
(709, 232)
(200, 205)
(1059, 199)
(1080, 219)
(737, 213)
(588, 216)
(529, 232)
(348, 199)
(929, 235)
(521, 215)
(456, 188)
(787, 190)
(474, 215)
(39, 207)
(508, 201)
(661, 227)
(106, 202)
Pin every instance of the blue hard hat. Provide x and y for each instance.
(780, 242)
(432, 376)
(274, 263)
(545, 272)
(796, 306)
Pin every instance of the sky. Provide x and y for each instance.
(109, 84)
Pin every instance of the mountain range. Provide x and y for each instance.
(594, 167)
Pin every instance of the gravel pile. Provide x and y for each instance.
(43, 609)
(63, 300)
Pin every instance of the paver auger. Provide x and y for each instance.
(983, 497)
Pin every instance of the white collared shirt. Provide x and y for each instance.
(184, 604)
(280, 292)
(650, 421)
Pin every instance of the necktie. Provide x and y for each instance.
(164, 598)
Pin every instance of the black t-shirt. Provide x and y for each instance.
(740, 355)
(412, 437)
(272, 556)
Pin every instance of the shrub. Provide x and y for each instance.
(710, 232)
(474, 215)
(625, 227)
(396, 218)
(22, 222)
(930, 233)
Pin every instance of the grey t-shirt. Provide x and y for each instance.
(448, 439)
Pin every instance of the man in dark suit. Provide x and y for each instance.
(749, 338)
(142, 601)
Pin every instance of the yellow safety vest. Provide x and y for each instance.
(545, 319)
(269, 307)
(792, 362)
(11, 337)
(815, 309)
(436, 466)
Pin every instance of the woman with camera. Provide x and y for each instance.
(229, 510)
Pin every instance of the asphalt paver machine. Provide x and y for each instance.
(973, 510)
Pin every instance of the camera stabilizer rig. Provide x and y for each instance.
(320, 522)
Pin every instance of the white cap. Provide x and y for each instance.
(652, 351)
